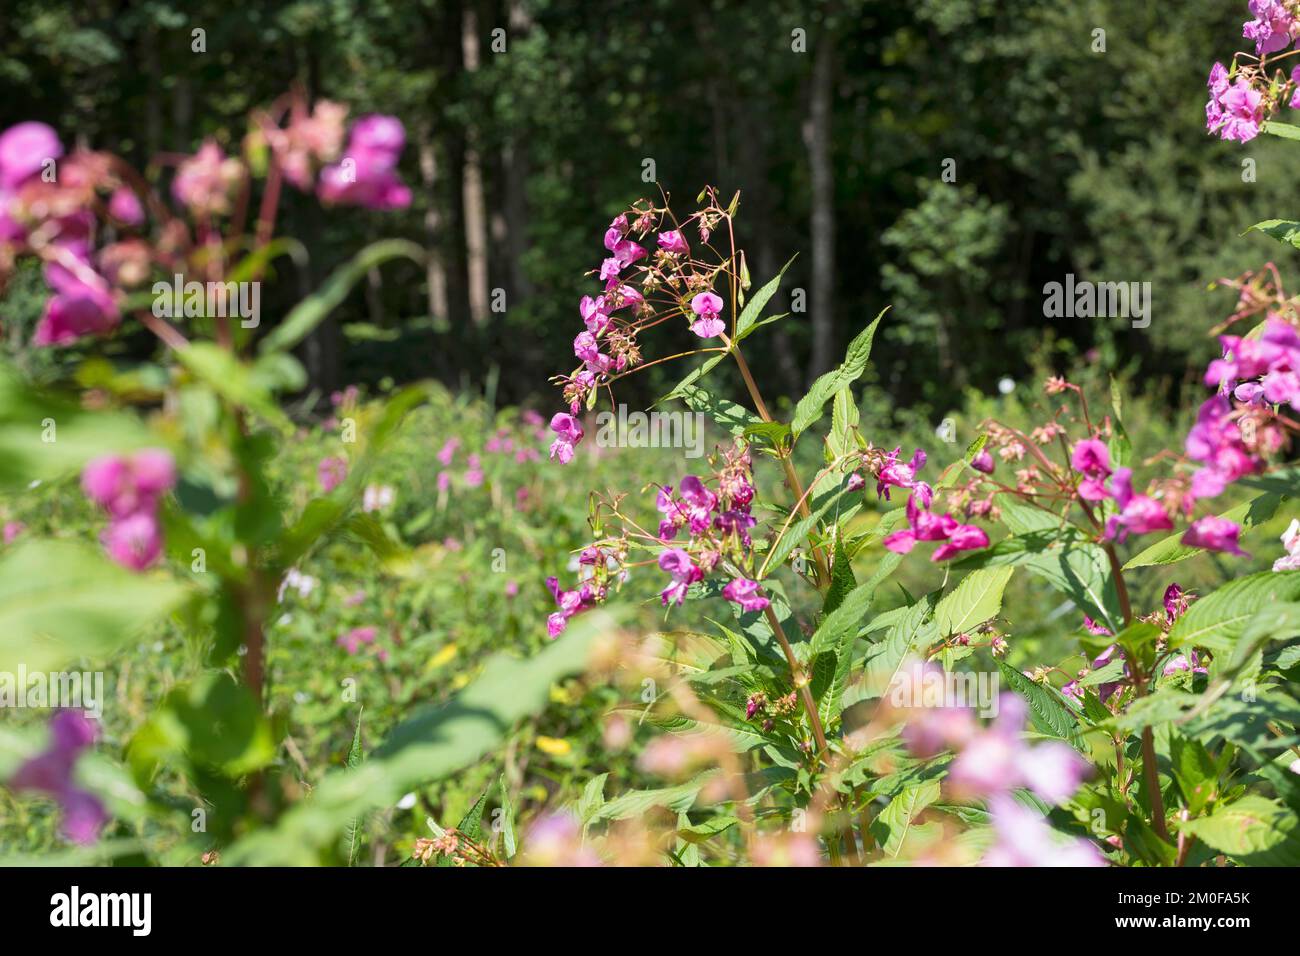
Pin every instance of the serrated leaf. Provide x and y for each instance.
(811, 407)
(972, 602)
(1047, 712)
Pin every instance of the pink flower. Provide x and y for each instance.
(964, 537)
(203, 182)
(331, 472)
(448, 451)
(997, 760)
(1139, 514)
(25, 148)
(1091, 458)
(707, 306)
(898, 474)
(12, 530)
(683, 571)
(1025, 838)
(135, 542)
(366, 174)
(983, 462)
(1214, 534)
(570, 603)
(1242, 112)
(1093, 627)
(569, 432)
(699, 501)
(124, 206)
(78, 309)
(673, 241)
(1175, 601)
(745, 592)
(51, 772)
(353, 640)
(1273, 28)
(1181, 663)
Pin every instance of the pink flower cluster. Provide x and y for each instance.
(1243, 97)
(51, 773)
(367, 173)
(993, 761)
(925, 525)
(608, 345)
(360, 637)
(1235, 109)
(717, 525)
(129, 489)
(46, 203)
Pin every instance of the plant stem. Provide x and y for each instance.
(809, 706)
(791, 477)
(1150, 772)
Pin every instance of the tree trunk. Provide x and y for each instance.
(476, 237)
(817, 138)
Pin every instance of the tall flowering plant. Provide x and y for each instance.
(173, 454)
(855, 735)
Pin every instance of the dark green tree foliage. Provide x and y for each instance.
(530, 119)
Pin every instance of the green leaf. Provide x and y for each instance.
(976, 599)
(1216, 620)
(1283, 230)
(912, 633)
(235, 381)
(593, 797)
(847, 617)
(1171, 550)
(811, 406)
(353, 834)
(1047, 712)
(1284, 130)
(842, 579)
(731, 417)
(1253, 831)
(636, 803)
(213, 721)
(745, 323)
(1195, 771)
(43, 436)
(1082, 572)
(844, 422)
(313, 310)
(61, 600)
(895, 822)
(507, 819)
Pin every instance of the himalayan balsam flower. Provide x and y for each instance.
(568, 433)
(745, 592)
(683, 571)
(51, 773)
(204, 182)
(366, 173)
(673, 241)
(353, 640)
(1290, 541)
(1273, 27)
(707, 308)
(25, 149)
(129, 489)
(331, 472)
(983, 462)
(1025, 838)
(1139, 514)
(1214, 534)
(997, 760)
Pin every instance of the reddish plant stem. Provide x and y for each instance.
(791, 477)
(1150, 772)
(810, 708)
